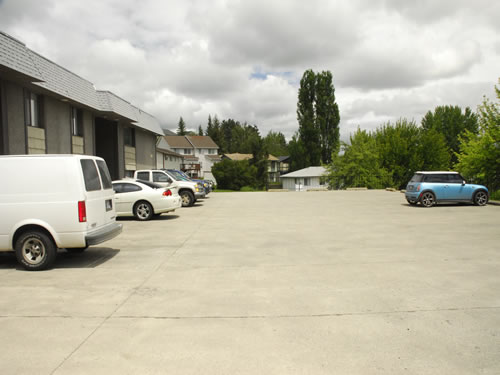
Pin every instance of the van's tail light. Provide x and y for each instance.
(167, 193)
(82, 212)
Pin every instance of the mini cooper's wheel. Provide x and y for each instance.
(143, 211)
(187, 198)
(428, 199)
(35, 250)
(480, 198)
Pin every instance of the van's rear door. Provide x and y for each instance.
(99, 193)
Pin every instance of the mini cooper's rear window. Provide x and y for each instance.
(90, 175)
(417, 177)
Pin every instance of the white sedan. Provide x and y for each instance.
(144, 199)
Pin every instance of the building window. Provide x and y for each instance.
(33, 109)
(307, 181)
(76, 122)
(212, 151)
(129, 137)
(187, 151)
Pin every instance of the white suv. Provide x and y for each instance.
(54, 201)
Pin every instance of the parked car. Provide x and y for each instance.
(430, 188)
(204, 183)
(188, 190)
(144, 199)
(54, 201)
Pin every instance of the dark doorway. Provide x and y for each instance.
(106, 144)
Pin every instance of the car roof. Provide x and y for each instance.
(436, 172)
(130, 181)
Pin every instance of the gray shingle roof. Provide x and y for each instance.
(307, 172)
(65, 83)
(14, 56)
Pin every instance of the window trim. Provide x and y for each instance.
(33, 102)
(76, 121)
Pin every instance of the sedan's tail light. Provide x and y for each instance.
(82, 212)
(167, 193)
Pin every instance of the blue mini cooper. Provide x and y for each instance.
(430, 188)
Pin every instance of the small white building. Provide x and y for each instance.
(304, 179)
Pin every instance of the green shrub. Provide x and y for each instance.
(233, 175)
(495, 195)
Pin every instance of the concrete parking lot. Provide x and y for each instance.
(267, 283)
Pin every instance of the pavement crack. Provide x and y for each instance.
(133, 292)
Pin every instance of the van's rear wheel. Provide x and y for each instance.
(143, 211)
(35, 251)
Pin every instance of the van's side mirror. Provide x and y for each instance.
(463, 182)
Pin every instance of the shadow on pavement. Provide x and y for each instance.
(91, 258)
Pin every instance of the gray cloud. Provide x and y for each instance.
(244, 59)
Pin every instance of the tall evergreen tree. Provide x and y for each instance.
(181, 127)
(318, 117)
(210, 127)
(306, 116)
(327, 116)
(200, 130)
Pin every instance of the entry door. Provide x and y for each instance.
(106, 144)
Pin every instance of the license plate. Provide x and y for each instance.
(109, 205)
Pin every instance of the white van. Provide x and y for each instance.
(54, 201)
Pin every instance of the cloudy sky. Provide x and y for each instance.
(243, 59)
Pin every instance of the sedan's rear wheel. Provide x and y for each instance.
(143, 211)
(428, 199)
(480, 198)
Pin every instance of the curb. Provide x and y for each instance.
(494, 203)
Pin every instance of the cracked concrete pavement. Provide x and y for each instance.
(267, 283)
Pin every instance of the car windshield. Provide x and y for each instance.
(173, 175)
(417, 177)
(177, 175)
(150, 184)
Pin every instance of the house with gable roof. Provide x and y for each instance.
(199, 153)
(46, 109)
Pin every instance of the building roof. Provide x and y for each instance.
(202, 141)
(168, 132)
(283, 158)
(17, 59)
(238, 156)
(306, 172)
(169, 152)
(177, 141)
(214, 157)
(272, 158)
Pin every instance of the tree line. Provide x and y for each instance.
(449, 138)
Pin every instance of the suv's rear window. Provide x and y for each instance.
(143, 176)
(90, 175)
(103, 170)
